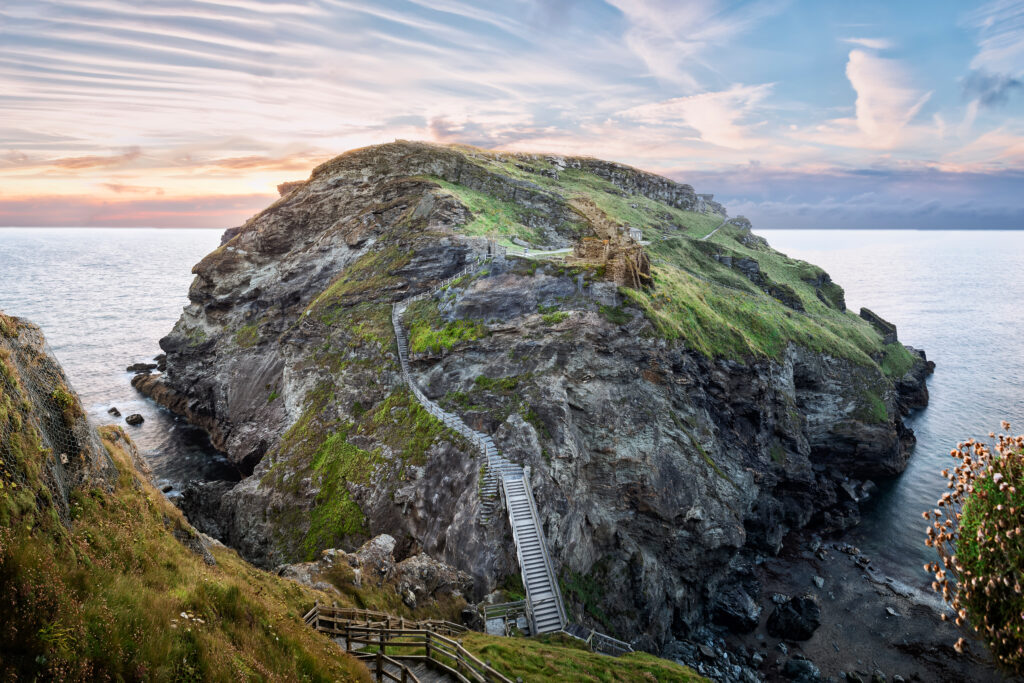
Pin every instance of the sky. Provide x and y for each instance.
(796, 114)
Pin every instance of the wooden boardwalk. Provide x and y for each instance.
(402, 650)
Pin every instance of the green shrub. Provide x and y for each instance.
(554, 318)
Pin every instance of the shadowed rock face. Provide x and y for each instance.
(657, 470)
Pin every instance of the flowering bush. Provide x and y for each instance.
(978, 530)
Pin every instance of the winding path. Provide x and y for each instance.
(720, 226)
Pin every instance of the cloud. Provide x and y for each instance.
(1000, 29)
(715, 116)
(83, 211)
(296, 162)
(919, 197)
(670, 36)
(118, 188)
(991, 90)
(870, 43)
(96, 161)
(886, 102)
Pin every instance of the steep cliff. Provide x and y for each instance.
(102, 579)
(672, 431)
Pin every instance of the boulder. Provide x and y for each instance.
(735, 609)
(418, 580)
(801, 671)
(114, 411)
(135, 419)
(795, 619)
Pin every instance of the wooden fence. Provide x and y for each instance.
(379, 639)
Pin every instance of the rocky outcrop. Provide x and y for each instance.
(884, 327)
(419, 580)
(43, 427)
(657, 469)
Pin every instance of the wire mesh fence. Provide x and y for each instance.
(40, 409)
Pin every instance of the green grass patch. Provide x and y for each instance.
(247, 336)
(493, 217)
(429, 332)
(369, 275)
(614, 314)
(550, 319)
(78, 596)
(897, 360)
(563, 658)
(872, 408)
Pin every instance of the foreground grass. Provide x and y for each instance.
(114, 593)
(562, 658)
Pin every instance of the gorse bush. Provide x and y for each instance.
(978, 530)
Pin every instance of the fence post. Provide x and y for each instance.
(426, 640)
(380, 656)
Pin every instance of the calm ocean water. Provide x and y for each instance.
(105, 297)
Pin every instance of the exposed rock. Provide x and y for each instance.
(114, 411)
(913, 391)
(801, 671)
(795, 619)
(135, 419)
(736, 609)
(884, 327)
(229, 235)
(418, 579)
(142, 367)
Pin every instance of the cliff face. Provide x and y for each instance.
(671, 433)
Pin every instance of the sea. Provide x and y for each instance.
(104, 298)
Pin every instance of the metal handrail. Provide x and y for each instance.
(555, 588)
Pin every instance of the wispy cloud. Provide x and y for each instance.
(672, 38)
(718, 118)
(1000, 29)
(870, 43)
(96, 161)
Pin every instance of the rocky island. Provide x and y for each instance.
(678, 395)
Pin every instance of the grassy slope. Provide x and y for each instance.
(103, 597)
(562, 658)
(714, 308)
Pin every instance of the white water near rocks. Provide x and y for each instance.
(104, 297)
